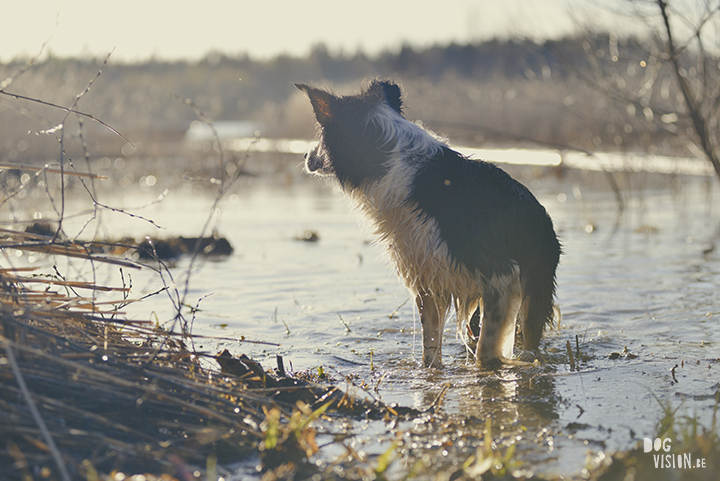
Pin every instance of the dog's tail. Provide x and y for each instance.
(538, 280)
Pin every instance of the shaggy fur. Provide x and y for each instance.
(462, 233)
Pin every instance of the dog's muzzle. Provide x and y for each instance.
(312, 161)
(316, 162)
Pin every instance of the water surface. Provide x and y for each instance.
(639, 291)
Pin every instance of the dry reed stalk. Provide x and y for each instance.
(64, 283)
(49, 170)
(73, 250)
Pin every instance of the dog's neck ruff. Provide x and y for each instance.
(409, 141)
(407, 147)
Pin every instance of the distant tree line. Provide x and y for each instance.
(128, 85)
(501, 91)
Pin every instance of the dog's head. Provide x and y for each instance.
(354, 143)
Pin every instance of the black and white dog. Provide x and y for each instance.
(459, 231)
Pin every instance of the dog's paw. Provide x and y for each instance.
(496, 363)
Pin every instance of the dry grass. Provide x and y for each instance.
(86, 391)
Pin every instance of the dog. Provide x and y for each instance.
(461, 232)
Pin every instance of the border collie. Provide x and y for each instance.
(461, 232)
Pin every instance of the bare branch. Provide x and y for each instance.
(68, 110)
(692, 103)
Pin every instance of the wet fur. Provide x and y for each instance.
(462, 233)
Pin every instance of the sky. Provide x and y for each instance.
(180, 29)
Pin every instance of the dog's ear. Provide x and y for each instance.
(392, 94)
(322, 103)
(387, 91)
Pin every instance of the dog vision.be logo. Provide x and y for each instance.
(670, 461)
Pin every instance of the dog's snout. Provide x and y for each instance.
(313, 160)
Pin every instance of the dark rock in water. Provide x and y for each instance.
(170, 249)
(308, 236)
(242, 366)
(209, 246)
(163, 249)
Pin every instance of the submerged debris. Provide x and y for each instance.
(308, 236)
(624, 354)
(41, 228)
(172, 248)
(47, 240)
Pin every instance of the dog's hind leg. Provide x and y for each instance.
(532, 325)
(433, 311)
(537, 310)
(501, 300)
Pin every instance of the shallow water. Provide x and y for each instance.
(646, 279)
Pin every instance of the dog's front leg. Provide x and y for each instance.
(432, 322)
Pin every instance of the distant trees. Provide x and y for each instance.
(657, 93)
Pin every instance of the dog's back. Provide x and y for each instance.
(493, 226)
(459, 231)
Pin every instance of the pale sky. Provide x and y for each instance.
(138, 30)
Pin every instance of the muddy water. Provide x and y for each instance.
(639, 291)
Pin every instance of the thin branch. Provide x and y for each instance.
(47, 168)
(68, 110)
(224, 186)
(698, 119)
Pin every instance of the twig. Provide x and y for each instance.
(577, 347)
(68, 110)
(68, 251)
(571, 358)
(208, 121)
(134, 216)
(699, 120)
(276, 317)
(46, 168)
(393, 314)
(65, 283)
(616, 189)
(439, 398)
(224, 187)
(347, 328)
(194, 311)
